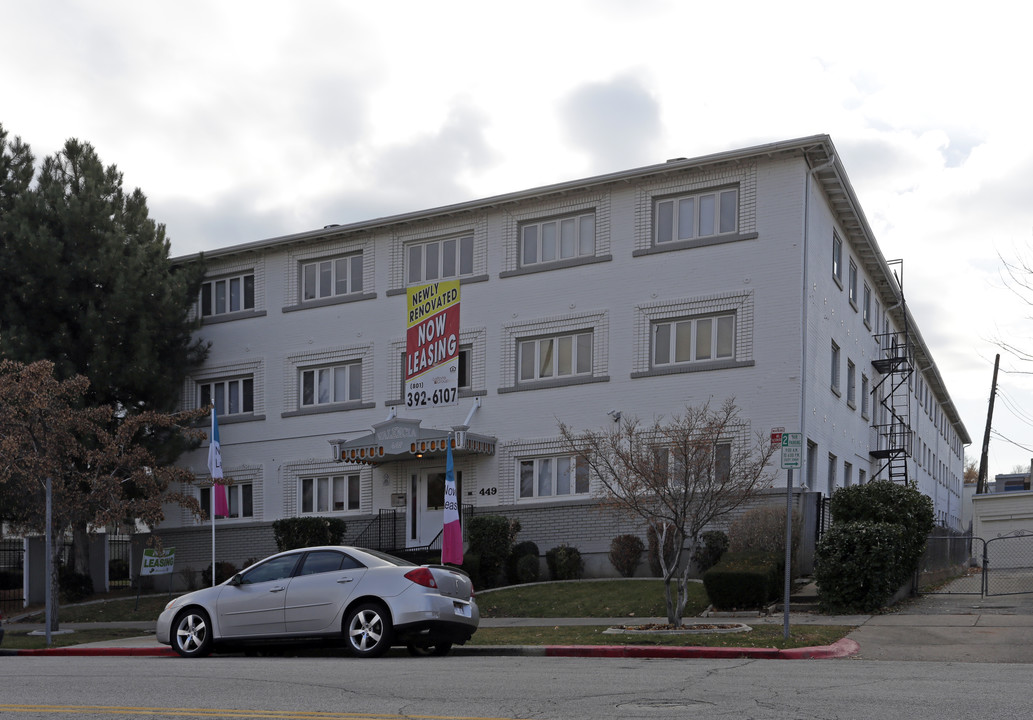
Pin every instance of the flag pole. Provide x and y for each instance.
(217, 500)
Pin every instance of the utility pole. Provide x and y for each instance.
(981, 481)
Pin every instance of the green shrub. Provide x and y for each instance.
(708, 552)
(873, 548)
(301, 532)
(528, 569)
(654, 550)
(626, 553)
(518, 553)
(564, 563)
(490, 538)
(75, 587)
(858, 566)
(745, 580)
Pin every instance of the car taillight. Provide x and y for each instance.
(422, 576)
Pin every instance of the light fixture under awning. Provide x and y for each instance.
(404, 439)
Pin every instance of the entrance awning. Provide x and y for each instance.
(404, 439)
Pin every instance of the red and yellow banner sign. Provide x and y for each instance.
(432, 345)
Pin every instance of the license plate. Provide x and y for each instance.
(462, 609)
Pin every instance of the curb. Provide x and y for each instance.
(841, 648)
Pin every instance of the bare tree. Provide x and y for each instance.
(677, 475)
(98, 476)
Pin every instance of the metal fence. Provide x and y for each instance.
(12, 568)
(968, 565)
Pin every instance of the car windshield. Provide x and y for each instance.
(387, 558)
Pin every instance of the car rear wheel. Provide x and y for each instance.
(192, 633)
(368, 630)
(438, 650)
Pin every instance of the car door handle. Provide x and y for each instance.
(345, 579)
(279, 588)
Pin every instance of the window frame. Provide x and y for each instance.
(332, 375)
(577, 477)
(237, 494)
(673, 344)
(866, 305)
(206, 395)
(462, 259)
(581, 252)
(836, 360)
(350, 495)
(837, 259)
(672, 229)
(354, 276)
(555, 350)
(852, 284)
(851, 383)
(208, 295)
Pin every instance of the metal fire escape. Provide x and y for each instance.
(893, 439)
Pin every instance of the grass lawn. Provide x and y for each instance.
(625, 599)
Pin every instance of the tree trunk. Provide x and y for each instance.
(81, 550)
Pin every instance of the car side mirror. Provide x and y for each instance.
(235, 580)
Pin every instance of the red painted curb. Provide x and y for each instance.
(841, 648)
(101, 652)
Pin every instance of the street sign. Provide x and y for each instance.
(792, 451)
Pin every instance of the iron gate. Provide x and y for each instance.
(12, 567)
(998, 566)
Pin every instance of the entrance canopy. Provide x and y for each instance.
(404, 439)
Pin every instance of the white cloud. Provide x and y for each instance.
(249, 120)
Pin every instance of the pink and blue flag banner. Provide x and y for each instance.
(219, 504)
(452, 537)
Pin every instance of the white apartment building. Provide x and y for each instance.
(750, 274)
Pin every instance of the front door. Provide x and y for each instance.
(427, 505)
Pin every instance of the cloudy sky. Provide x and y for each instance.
(247, 120)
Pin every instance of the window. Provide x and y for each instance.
(321, 561)
(835, 367)
(336, 384)
(239, 499)
(563, 475)
(852, 284)
(848, 474)
(332, 277)
(837, 258)
(696, 216)
(439, 259)
(862, 477)
(694, 340)
(866, 305)
(231, 397)
(851, 383)
(558, 239)
(329, 494)
(232, 294)
(864, 396)
(554, 357)
(832, 474)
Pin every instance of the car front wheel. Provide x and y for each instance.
(368, 631)
(192, 633)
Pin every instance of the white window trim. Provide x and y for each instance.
(550, 345)
(557, 248)
(459, 240)
(350, 259)
(673, 327)
(347, 479)
(332, 378)
(677, 203)
(512, 333)
(647, 316)
(554, 463)
(296, 363)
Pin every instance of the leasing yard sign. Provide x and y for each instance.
(158, 562)
(432, 345)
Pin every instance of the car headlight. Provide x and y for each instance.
(172, 603)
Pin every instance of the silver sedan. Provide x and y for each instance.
(368, 599)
